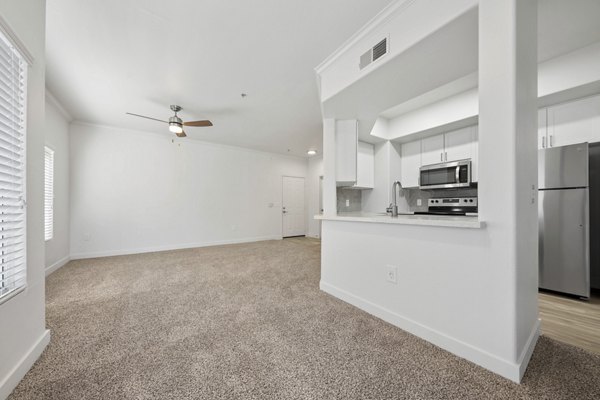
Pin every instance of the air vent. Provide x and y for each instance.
(373, 54)
(380, 49)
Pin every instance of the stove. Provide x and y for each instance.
(451, 206)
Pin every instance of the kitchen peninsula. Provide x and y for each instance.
(470, 291)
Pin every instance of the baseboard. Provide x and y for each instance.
(50, 269)
(529, 347)
(500, 366)
(109, 253)
(18, 372)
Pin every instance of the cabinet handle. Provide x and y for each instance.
(441, 156)
(446, 156)
(551, 145)
(543, 142)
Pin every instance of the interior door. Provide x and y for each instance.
(293, 207)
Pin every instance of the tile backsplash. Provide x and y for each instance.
(412, 195)
(353, 198)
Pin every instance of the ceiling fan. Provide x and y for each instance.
(176, 124)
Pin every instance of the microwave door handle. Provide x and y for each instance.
(457, 174)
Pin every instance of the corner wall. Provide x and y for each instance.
(134, 192)
(57, 138)
(23, 334)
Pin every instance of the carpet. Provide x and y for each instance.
(248, 321)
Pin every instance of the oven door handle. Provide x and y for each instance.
(457, 174)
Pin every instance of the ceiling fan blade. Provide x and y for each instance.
(182, 134)
(143, 116)
(198, 123)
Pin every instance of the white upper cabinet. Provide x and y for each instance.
(459, 144)
(346, 147)
(432, 150)
(410, 162)
(574, 122)
(542, 128)
(365, 168)
(354, 160)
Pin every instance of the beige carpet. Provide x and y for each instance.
(249, 322)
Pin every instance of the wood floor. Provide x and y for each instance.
(571, 320)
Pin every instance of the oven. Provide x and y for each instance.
(448, 175)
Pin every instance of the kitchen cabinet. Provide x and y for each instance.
(574, 122)
(458, 144)
(432, 150)
(355, 161)
(365, 168)
(542, 128)
(410, 162)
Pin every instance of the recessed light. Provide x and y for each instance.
(311, 152)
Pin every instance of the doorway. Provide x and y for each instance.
(292, 207)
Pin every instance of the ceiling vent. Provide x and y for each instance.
(374, 53)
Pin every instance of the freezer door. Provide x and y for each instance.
(563, 167)
(564, 241)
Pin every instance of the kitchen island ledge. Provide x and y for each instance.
(472, 222)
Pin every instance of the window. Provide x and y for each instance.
(13, 81)
(48, 193)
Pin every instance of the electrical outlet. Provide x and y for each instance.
(347, 202)
(419, 202)
(391, 274)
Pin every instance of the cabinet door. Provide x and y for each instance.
(410, 162)
(346, 144)
(542, 128)
(458, 144)
(365, 166)
(574, 122)
(432, 150)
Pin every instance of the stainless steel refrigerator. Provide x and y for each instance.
(564, 238)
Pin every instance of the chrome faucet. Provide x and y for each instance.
(393, 208)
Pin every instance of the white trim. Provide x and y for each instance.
(15, 41)
(381, 18)
(18, 372)
(500, 366)
(529, 347)
(110, 253)
(61, 109)
(60, 263)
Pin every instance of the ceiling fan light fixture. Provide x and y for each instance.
(175, 127)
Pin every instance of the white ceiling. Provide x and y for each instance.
(105, 58)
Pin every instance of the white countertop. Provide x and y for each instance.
(407, 219)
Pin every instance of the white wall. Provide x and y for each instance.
(387, 170)
(57, 138)
(136, 191)
(22, 318)
(315, 172)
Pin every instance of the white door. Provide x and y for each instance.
(459, 144)
(574, 122)
(293, 206)
(432, 150)
(410, 162)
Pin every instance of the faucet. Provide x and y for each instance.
(393, 208)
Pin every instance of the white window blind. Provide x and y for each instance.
(13, 81)
(48, 193)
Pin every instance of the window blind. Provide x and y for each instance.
(13, 81)
(48, 193)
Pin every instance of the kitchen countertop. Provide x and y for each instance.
(407, 219)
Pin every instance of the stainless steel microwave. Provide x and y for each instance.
(448, 175)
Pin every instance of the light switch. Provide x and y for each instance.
(347, 202)
(419, 202)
